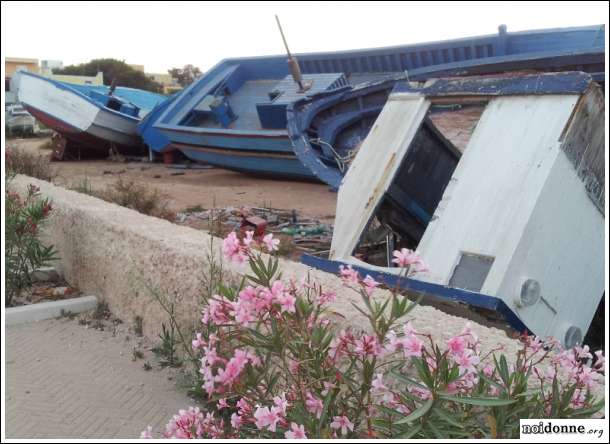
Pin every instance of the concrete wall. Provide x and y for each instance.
(114, 253)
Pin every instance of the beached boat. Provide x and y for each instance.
(96, 119)
(234, 116)
(490, 179)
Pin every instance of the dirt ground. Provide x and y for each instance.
(207, 188)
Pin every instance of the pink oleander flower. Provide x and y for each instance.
(198, 342)
(488, 370)
(314, 405)
(187, 424)
(582, 352)
(377, 384)
(408, 329)
(222, 404)
(405, 257)
(348, 275)
(340, 344)
(233, 369)
(456, 345)
(281, 403)
(243, 407)
(266, 417)
(236, 421)
(422, 393)
(412, 346)
(243, 312)
(367, 346)
(343, 423)
(248, 239)
(467, 361)
(146, 434)
(287, 302)
(296, 432)
(369, 284)
(218, 311)
(232, 248)
(270, 243)
(326, 297)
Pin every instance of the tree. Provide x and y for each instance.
(186, 75)
(114, 70)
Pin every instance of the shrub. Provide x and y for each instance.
(20, 161)
(272, 364)
(132, 195)
(138, 197)
(23, 250)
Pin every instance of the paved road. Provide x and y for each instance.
(66, 381)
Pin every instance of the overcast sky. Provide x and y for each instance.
(165, 35)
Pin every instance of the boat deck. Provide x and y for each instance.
(243, 101)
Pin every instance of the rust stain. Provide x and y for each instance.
(379, 188)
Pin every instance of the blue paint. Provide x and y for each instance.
(426, 288)
(554, 49)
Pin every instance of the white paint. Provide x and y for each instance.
(57, 102)
(495, 185)
(373, 169)
(562, 247)
(514, 196)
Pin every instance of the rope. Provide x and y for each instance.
(341, 160)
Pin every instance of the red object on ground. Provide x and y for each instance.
(254, 223)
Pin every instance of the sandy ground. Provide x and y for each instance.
(208, 188)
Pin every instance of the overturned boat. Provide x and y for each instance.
(234, 116)
(509, 216)
(92, 119)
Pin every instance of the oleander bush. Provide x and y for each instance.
(272, 363)
(24, 252)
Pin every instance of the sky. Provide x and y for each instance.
(162, 35)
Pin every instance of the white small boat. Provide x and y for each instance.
(95, 118)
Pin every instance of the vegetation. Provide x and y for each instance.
(132, 195)
(23, 250)
(185, 75)
(116, 71)
(20, 161)
(271, 362)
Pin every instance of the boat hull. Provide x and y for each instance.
(263, 155)
(93, 128)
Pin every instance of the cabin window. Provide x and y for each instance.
(408, 205)
(471, 271)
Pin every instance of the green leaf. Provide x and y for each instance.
(425, 407)
(484, 402)
(410, 433)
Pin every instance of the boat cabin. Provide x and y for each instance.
(498, 183)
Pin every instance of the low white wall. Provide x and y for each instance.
(113, 252)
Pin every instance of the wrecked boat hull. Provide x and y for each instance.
(582, 48)
(82, 121)
(529, 183)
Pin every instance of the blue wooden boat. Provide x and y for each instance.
(234, 116)
(94, 118)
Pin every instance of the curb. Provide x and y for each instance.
(48, 310)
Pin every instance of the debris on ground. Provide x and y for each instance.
(303, 234)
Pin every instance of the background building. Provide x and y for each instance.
(170, 85)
